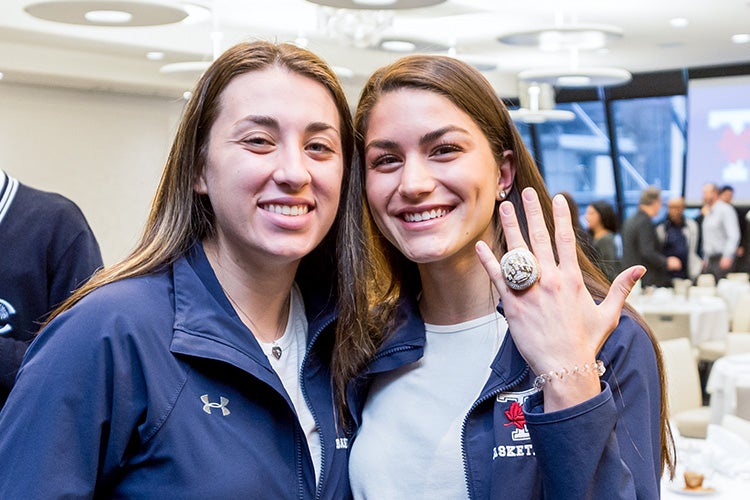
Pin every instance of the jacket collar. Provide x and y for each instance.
(406, 344)
(207, 326)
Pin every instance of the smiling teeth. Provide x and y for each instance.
(426, 215)
(286, 209)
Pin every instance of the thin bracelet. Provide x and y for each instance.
(597, 367)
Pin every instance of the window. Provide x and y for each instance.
(651, 145)
(575, 155)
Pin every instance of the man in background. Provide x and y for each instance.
(726, 193)
(640, 244)
(47, 249)
(720, 233)
(679, 237)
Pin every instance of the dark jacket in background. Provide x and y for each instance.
(641, 246)
(47, 250)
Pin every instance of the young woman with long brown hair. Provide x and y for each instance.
(557, 392)
(198, 367)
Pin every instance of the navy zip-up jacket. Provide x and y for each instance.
(152, 387)
(606, 447)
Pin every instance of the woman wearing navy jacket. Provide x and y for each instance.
(199, 366)
(554, 393)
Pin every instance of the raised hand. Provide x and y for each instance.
(555, 323)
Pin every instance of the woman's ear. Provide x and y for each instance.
(199, 183)
(506, 175)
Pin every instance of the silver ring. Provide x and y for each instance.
(519, 268)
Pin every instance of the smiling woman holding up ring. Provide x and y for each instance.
(495, 360)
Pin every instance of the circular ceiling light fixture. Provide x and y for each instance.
(188, 70)
(577, 77)
(576, 36)
(528, 116)
(406, 44)
(377, 4)
(538, 105)
(126, 13)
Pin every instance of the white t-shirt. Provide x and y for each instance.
(409, 443)
(293, 345)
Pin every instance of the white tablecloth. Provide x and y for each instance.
(724, 460)
(726, 373)
(731, 291)
(724, 488)
(709, 316)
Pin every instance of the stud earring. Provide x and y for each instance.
(502, 194)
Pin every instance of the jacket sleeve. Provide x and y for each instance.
(60, 435)
(609, 446)
(650, 248)
(75, 255)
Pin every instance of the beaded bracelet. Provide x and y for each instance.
(597, 367)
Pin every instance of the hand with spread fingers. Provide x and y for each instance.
(556, 324)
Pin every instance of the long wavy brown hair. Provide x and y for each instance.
(375, 272)
(179, 216)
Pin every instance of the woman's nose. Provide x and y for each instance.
(416, 179)
(293, 169)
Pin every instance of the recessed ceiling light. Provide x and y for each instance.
(343, 72)
(189, 70)
(108, 16)
(576, 36)
(398, 45)
(678, 22)
(524, 115)
(1, 75)
(187, 95)
(406, 44)
(741, 38)
(154, 55)
(577, 77)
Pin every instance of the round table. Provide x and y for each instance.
(731, 291)
(726, 374)
(709, 316)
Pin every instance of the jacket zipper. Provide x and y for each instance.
(319, 483)
(489, 395)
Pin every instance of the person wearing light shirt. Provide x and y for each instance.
(720, 233)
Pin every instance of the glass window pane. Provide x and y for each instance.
(575, 155)
(651, 145)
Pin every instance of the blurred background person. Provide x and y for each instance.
(679, 238)
(726, 194)
(720, 231)
(584, 238)
(47, 250)
(602, 226)
(640, 245)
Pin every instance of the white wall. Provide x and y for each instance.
(103, 151)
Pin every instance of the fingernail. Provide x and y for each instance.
(638, 273)
(529, 194)
(559, 200)
(506, 208)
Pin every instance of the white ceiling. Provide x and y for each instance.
(114, 58)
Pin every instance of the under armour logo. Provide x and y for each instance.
(207, 405)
